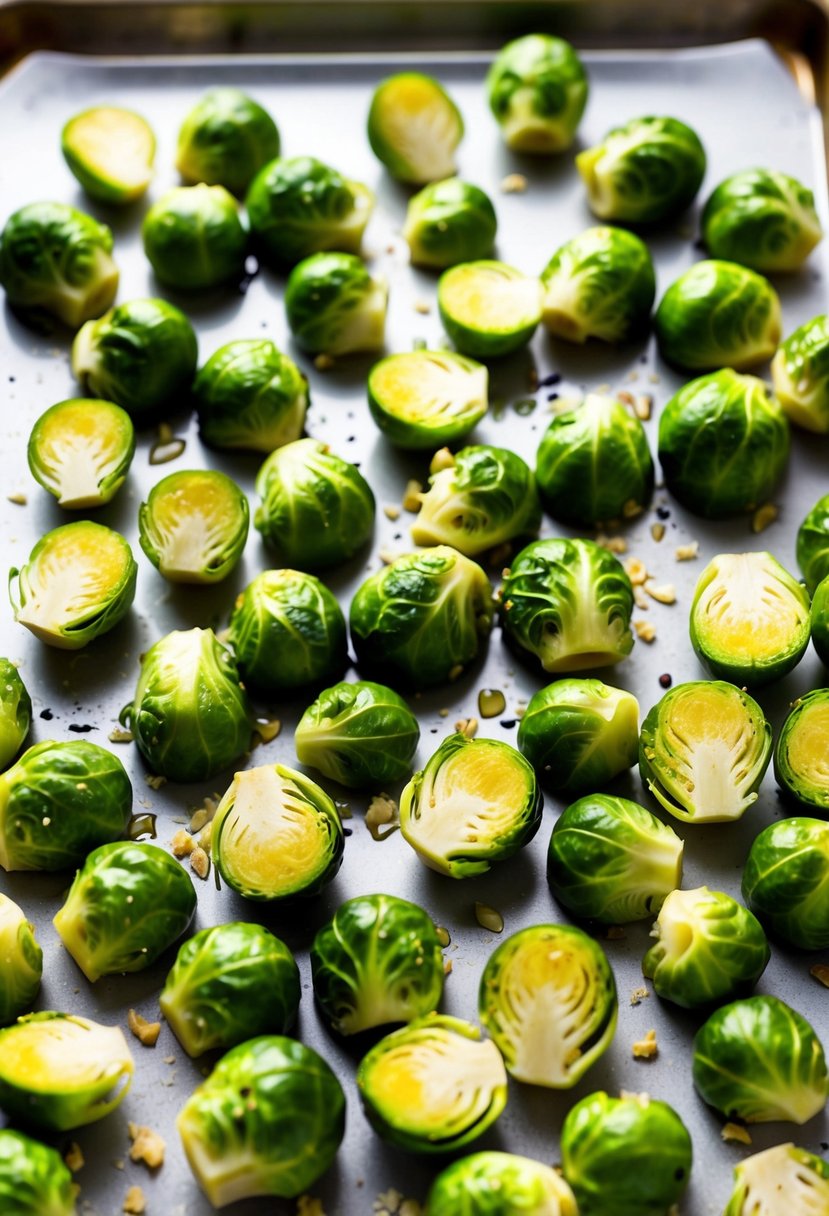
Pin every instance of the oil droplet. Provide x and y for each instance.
(489, 918)
(491, 702)
(443, 935)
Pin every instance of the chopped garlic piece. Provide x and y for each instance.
(467, 727)
(687, 553)
(147, 1146)
(200, 863)
(638, 995)
(764, 516)
(513, 183)
(636, 571)
(134, 1201)
(146, 1032)
(182, 844)
(391, 511)
(73, 1157)
(411, 497)
(735, 1133)
(663, 593)
(657, 532)
(647, 1048)
(645, 630)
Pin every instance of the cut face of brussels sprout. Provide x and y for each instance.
(819, 617)
(21, 965)
(537, 89)
(426, 398)
(488, 308)
(59, 1072)
(33, 1178)
(414, 128)
(361, 734)
(15, 712)
(488, 1183)
(78, 583)
(334, 306)
(601, 284)
(813, 544)
(704, 750)
(194, 525)
(225, 139)
(81, 451)
(249, 395)
(783, 1173)
(449, 222)
(801, 757)
(800, 374)
(194, 239)
(111, 152)
(548, 1001)
(786, 882)
(276, 834)
(763, 219)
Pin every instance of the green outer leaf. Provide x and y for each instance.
(809, 790)
(225, 139)
(21, 967)
(599, 284)
(194, 238)
(783, 1170)
(786, 882)
(15, 712)
(813, 542)
(251, 396)
(763, 219)
(537, 89)
(499, 1184)
(449, 222)
(800, 373)
(33, 1178)
(361, 734)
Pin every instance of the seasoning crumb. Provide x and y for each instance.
(456, 671)
(155, 780)
(632, 509)
(820, 972)
(643, 406)
(489, 918)
(687, 553)
(735, 1133)
(134, 1201)
(411, 497)
(513, 183)
(146, 1032)
(182, 844)
(169, 1060)
(391, 511)
(388, 556)
(18, 499)
(764, 516)
(663, 593)
(467, 727)
(615, 933)
(666, 680)
(382, 812)
(613, 544)
(638, 996)
(636, 571)
(73, 1157)
(645, 631)
(443, 713)
(203, 814)
(647, 1048)
(423, 307)
(200, 862)
(632, 376)
(120, 736)
(657, 532)
(147, 1145)
(447, 966)
(442, 459)
(654, 378)
(323, 363)
(118, 1163)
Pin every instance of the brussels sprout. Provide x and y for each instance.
(249, 395)
(800, 374)
(267, 1121)
(15, 712)
(21, 966)
(228, 984)
(59, 1071)
(499, 1184)
(480, 497)
(378, 960)
(813, 544)
(423, 617)
(628, 1156)
(225, 140)
(783, 1174)
(749, 618)
(594, 463)
(363, 735)
(54, 259)
(475, 802)
(647, 170)
(81, 451)
(723, 444)
(801, 749)
(317, 509)
(276, 834)
(759, 1060)
(704, 750)
(578, 734)
(426, 398)
(194, 525)
(568, 602)
(611, 860)
(763, 219)
(141, 355)
(537, 89)
(488, 308)
(194, 239)
(414, 128)
(433, 1086)
(718, 314)
(600, 284)
(449, 222)
(786, 882)
(819, 621)
(334, 306)
(111, 152)
(190, 715)
(33, 1178)
(78, 583)
(59, 801)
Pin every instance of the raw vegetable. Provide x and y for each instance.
(225, 139)
(599, 284)
(361, 734)
(251, 396)
(763, 219)
(334, 306)
(449, 222)
(425, 398)
(800, 752)
(537, 89)
(813, 544)
(194, 525)
(786, 882)
(800, 374)
(414, 128)
(111, 152)
(194, 239)
(15, 712)
(33, 1178)
(81, 450)
(21, 967)
(488, 308)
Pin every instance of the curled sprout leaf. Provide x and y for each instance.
(81, 451)
(194, 525)
(424, 398)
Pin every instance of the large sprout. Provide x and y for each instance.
(786, 882)
(783, 1174)
(251, 396)
(361, 734)
(111, 152)
(15, 712)
(34, 1181)
(763, 219)
(800, 754)
(81, 450)
(422, 399)
(812, 547)
(487, 308)
(225, 140)
(194, 238)
(21, 963)
(194, 525)
(800, 374)
(600, 284)
(449, 222)
(499, 1184)
(334, 306)
(414, 128)
(537, 89)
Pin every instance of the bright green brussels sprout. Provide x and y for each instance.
(718, 314)
(786, 882)
(600, 284)
(813, 544)
(317, 509)
(190, 715)
(81, 451)
(111, 152)
(33, 1178)
(361, 734)
(800, 374)
(378, 960)
(194, 525)
(611, 860)
(759, 1060)
(703, 751)
(414, 128)
(56, 260)
(763, 219)
(819, 621)
(499, 1184)
(476, 801)
(59, 1071)
(594, 463)
(251, 396)
(488, 308)
(228, 984)
(784, 1175)
(128, 903)
(424, 398)
(334, 306)
(423, 617)
(801, 750)
(628, 1156)
(194, 239)
(749, 618)
(15, 712)
(59, 801)
(225, 140)
(267, 1121)
(21, 966)
(449, 222)
(568, 602)
(537, 89)
(723, 444)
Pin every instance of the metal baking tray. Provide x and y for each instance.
(748, 111)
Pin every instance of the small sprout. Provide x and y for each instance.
(449, 222)
(21, 963)
(414, 128)
(425, 398)
(513, 183)
(225, 140)
(80, 451)
(646, 1048)
(735, 1133)
(489, 918)
(111, 152)
(146, 1032)
(687, 553)
(135, 1203)
(800, 374)
(786, 882)
(334, 306)
(250, 396)
(537, 89)
(764, 516)
(15, 712)
(763, 219)
(488, 309)
(516, 1184)
(663, 593)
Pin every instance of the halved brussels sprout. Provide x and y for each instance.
(813, 544)
(59, 1071)
(78, 583)
(476, 801)
(704, 750)
(377, 961)
(81, 451)
(499, 1184)
(414, 128)
(21, 966)
(56, 260)
(488, 308)
(426, 398)
(33, 1178)
(568, 602)
(225, 140)
(251, 396)
(15, 712)
(786, 882)
(548, 1001)
(433, 1086)
(194, 239)
(361, 734)
(537, 89)
(449, 222)
(749, 618)
(600, 284)
(819, 621)
(194, 525)
(334, 306)
(229, 984)
(784, 1174)
(276, 834)
(759, 1060)
(718, 314)
(267, 1121)
(647, 170)
(763, 219)
(611, 860)
(800, 755)
(800, 374)
(422, 618)
(111, 152)
(594, 463)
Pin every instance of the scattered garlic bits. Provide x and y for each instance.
(146, 1032)
(392, 1203)
(820, 972)
(167, 446)
(687, 553)
(74, 1158)
(645, 631)
(764, 516)
(467, 727)
(636, 570)
(638, 995)
(155, 780)
(382, 813)
(134, 1202)
(411, 497)
(18, 500)
(442, 459)
(120, 736)
(182, 844)
(423, 307)
(323, 363)
(647, 1048)
(203, 814)
(513, 183)
(200, 863)
(147, 1146)
(489, 918)
(735, 1133)
(663, 593)
(657, 532)
(447, 966)
(613, 544)
(391, 511)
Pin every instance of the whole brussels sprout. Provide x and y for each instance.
(800, 753)
(487, 308)
(600, 284)
(334, 306)
(594, 463)
(194, 239)
(251, 396)
(611, 860)
(194, 525)
(763, 219)
(813, 545)
(59, 801)
(784, 1174)
(15, 712)
(361, 734)
(33, 1178)
(229, 984)
(81, 451)
(424, 398)
(56, 260)
(759, 1060)
(499, 1184)
(225, 140)
(414, 128)
(568, 602)
(537, 89)
(378, 960)
(786, 882)
(111, 152)
(21, 966)
(800, 374)
(819, 621)
(449, 222)
(267, 1121)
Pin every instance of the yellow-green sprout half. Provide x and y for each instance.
(81, 451)
(422, 399)
(194, 525)
(801, 757)
(784, 1175)
(488, 308)
(800, 374)
(111, 153)
(414, 128)
(15, 712)
(21, 962)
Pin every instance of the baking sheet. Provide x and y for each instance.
(747, 111)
